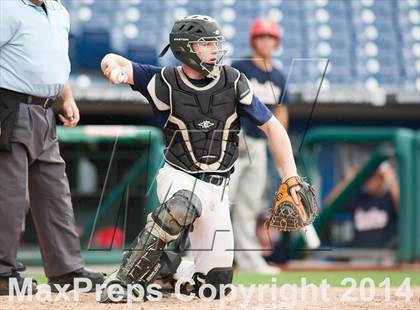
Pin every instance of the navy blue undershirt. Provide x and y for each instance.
(269, 87)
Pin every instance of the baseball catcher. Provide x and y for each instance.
(198, 105)
(286, 214)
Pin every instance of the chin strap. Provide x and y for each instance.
(165, 49)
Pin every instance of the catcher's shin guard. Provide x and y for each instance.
(170, 262)
(141, 264)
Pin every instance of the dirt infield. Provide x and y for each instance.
(335, 301)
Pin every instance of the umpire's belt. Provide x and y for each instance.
(28, 99)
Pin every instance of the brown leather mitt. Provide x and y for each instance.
(286, 215)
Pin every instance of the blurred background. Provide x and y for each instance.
(352, 73)
(370, 44)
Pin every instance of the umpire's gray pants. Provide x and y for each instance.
(34, 167)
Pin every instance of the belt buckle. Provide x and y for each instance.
(46, 104)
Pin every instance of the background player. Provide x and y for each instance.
(197, 105)
(268, 85)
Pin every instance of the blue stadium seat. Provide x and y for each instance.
(151, 7)
(241, 6)
(74, 52)
(387, 79)
(291, 52)
(299, 20)
(292, 39)
(339, 79)
(143, 54)
(94, 44)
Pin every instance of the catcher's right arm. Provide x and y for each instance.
(286, 214)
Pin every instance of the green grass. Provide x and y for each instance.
(40, 278)
(334, 278)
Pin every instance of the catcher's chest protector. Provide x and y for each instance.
(201, 133)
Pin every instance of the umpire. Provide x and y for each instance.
(34, 71)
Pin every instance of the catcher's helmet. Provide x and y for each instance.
(264, 26)
(191, 29)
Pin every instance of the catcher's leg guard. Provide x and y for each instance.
(165, 279)
(170, 262)
(216, 277)
(142, 262)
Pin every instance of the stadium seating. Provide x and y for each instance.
(364, 40)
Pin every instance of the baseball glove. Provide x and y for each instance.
(285, 214)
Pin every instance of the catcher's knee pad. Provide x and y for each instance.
(175, 215)
(219, 278)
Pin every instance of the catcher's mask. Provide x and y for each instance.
(196, 41)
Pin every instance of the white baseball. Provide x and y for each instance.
(117, 76)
